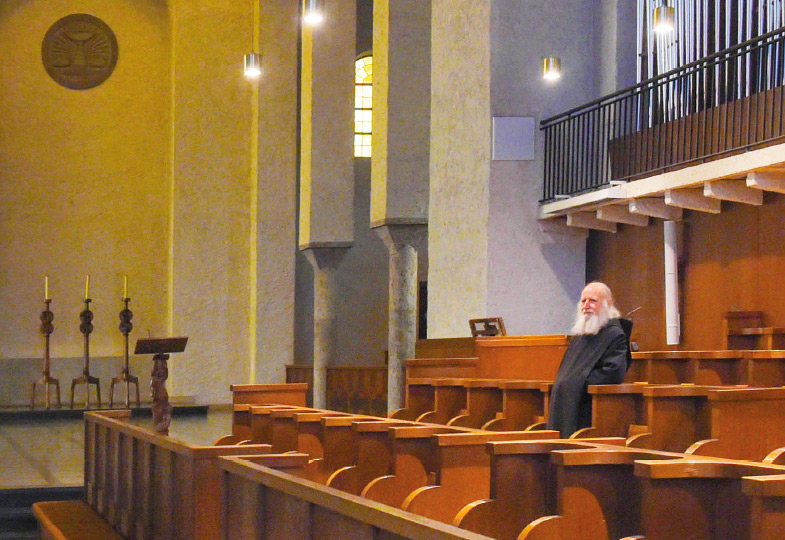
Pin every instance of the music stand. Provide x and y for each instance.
(160, 348)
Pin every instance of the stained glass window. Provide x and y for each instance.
(363, 105)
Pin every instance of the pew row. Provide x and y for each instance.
(727, 422)
(148, 485)
(265, 504)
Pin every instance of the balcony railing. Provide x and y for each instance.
(719, 105)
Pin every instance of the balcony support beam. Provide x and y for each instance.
(692, 199)
(655, 207)
(621, 214)
(767, 181)
(588, 220)
(733, 190)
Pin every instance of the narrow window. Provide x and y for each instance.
(363, 105)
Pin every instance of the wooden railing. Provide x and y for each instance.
(721, 104)
(354, 389)
(148, 485)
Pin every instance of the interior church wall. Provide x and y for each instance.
(84, 186)
(730, 261)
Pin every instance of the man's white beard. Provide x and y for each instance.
(590, 323)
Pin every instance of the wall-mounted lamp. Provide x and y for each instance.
(664, 17)
(253, 65)
(313, 14)
(551, 67)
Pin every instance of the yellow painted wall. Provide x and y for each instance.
(84, 179)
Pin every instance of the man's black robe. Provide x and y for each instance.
(590, 359)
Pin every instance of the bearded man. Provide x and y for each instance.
(598, 354)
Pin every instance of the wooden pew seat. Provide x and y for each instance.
(71, 520)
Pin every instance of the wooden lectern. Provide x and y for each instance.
(160, 348)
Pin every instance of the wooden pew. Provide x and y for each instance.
(419, 399)
(339, 448)
(261, 394)
(520, 357)
(484, 400)
(767, 506)
(522, 486)
(598, 495)
(748, 330)
(697, 499)
(523, 404)
(261, 421)
(148, 485)
(712, 368)
(615, 407)
(746, 423)
(449, 401)
(376, 456)
(462, 472)
(266, 504)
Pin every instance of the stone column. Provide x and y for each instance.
(404, 243)
(399, 169)
(325, 262)
(326, 169)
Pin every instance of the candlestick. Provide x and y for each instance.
(87, 287)
(125, 286)
(46, 287)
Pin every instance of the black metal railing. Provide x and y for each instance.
(721, 104)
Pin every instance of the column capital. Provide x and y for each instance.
(398, 235)
(326, 257)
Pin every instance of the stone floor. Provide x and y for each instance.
(49, 452)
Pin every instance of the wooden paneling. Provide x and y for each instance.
(731, 261)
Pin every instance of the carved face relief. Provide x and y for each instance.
(79, 51)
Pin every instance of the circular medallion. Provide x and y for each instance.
(79, 51)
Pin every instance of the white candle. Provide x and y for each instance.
(87, 287)
(46, 288)
(125, 286)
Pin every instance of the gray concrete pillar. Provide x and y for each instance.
(404, 242)
(325, 262)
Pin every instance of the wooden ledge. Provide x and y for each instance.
(608, 456)
(424, 432)
(522, 385)
(418, 362)
(676, 390)
(267, 409)
(521, 341)
(294, 387)
(544, 446)
(746, 394)
(623, 388)
(315, 416)
(688, 355)
(705, 468)
(427, 381)
(380, 426)
(484, 437)
(346, 421)
(762, 331)
(764, 486)
(279, 461)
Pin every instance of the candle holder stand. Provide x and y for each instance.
(46, 379)
(86, 327)
(125, 327)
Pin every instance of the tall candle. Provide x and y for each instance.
(125, 286)
(46, 287)
(87, 287)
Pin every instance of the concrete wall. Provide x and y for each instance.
(85, 178)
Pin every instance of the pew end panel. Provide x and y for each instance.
(701, 499)
(767, 506)
(615, 407)
(261, 394)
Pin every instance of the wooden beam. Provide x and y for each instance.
(767, 181)
(692, 199)
(733, 190)
(587, 220)
(655, 207)
(621, 214)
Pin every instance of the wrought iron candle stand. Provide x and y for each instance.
(125, 327)
(86, 327)
(46, 380)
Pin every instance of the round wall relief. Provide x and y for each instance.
(79, 51)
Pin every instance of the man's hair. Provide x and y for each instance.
(591, 323)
